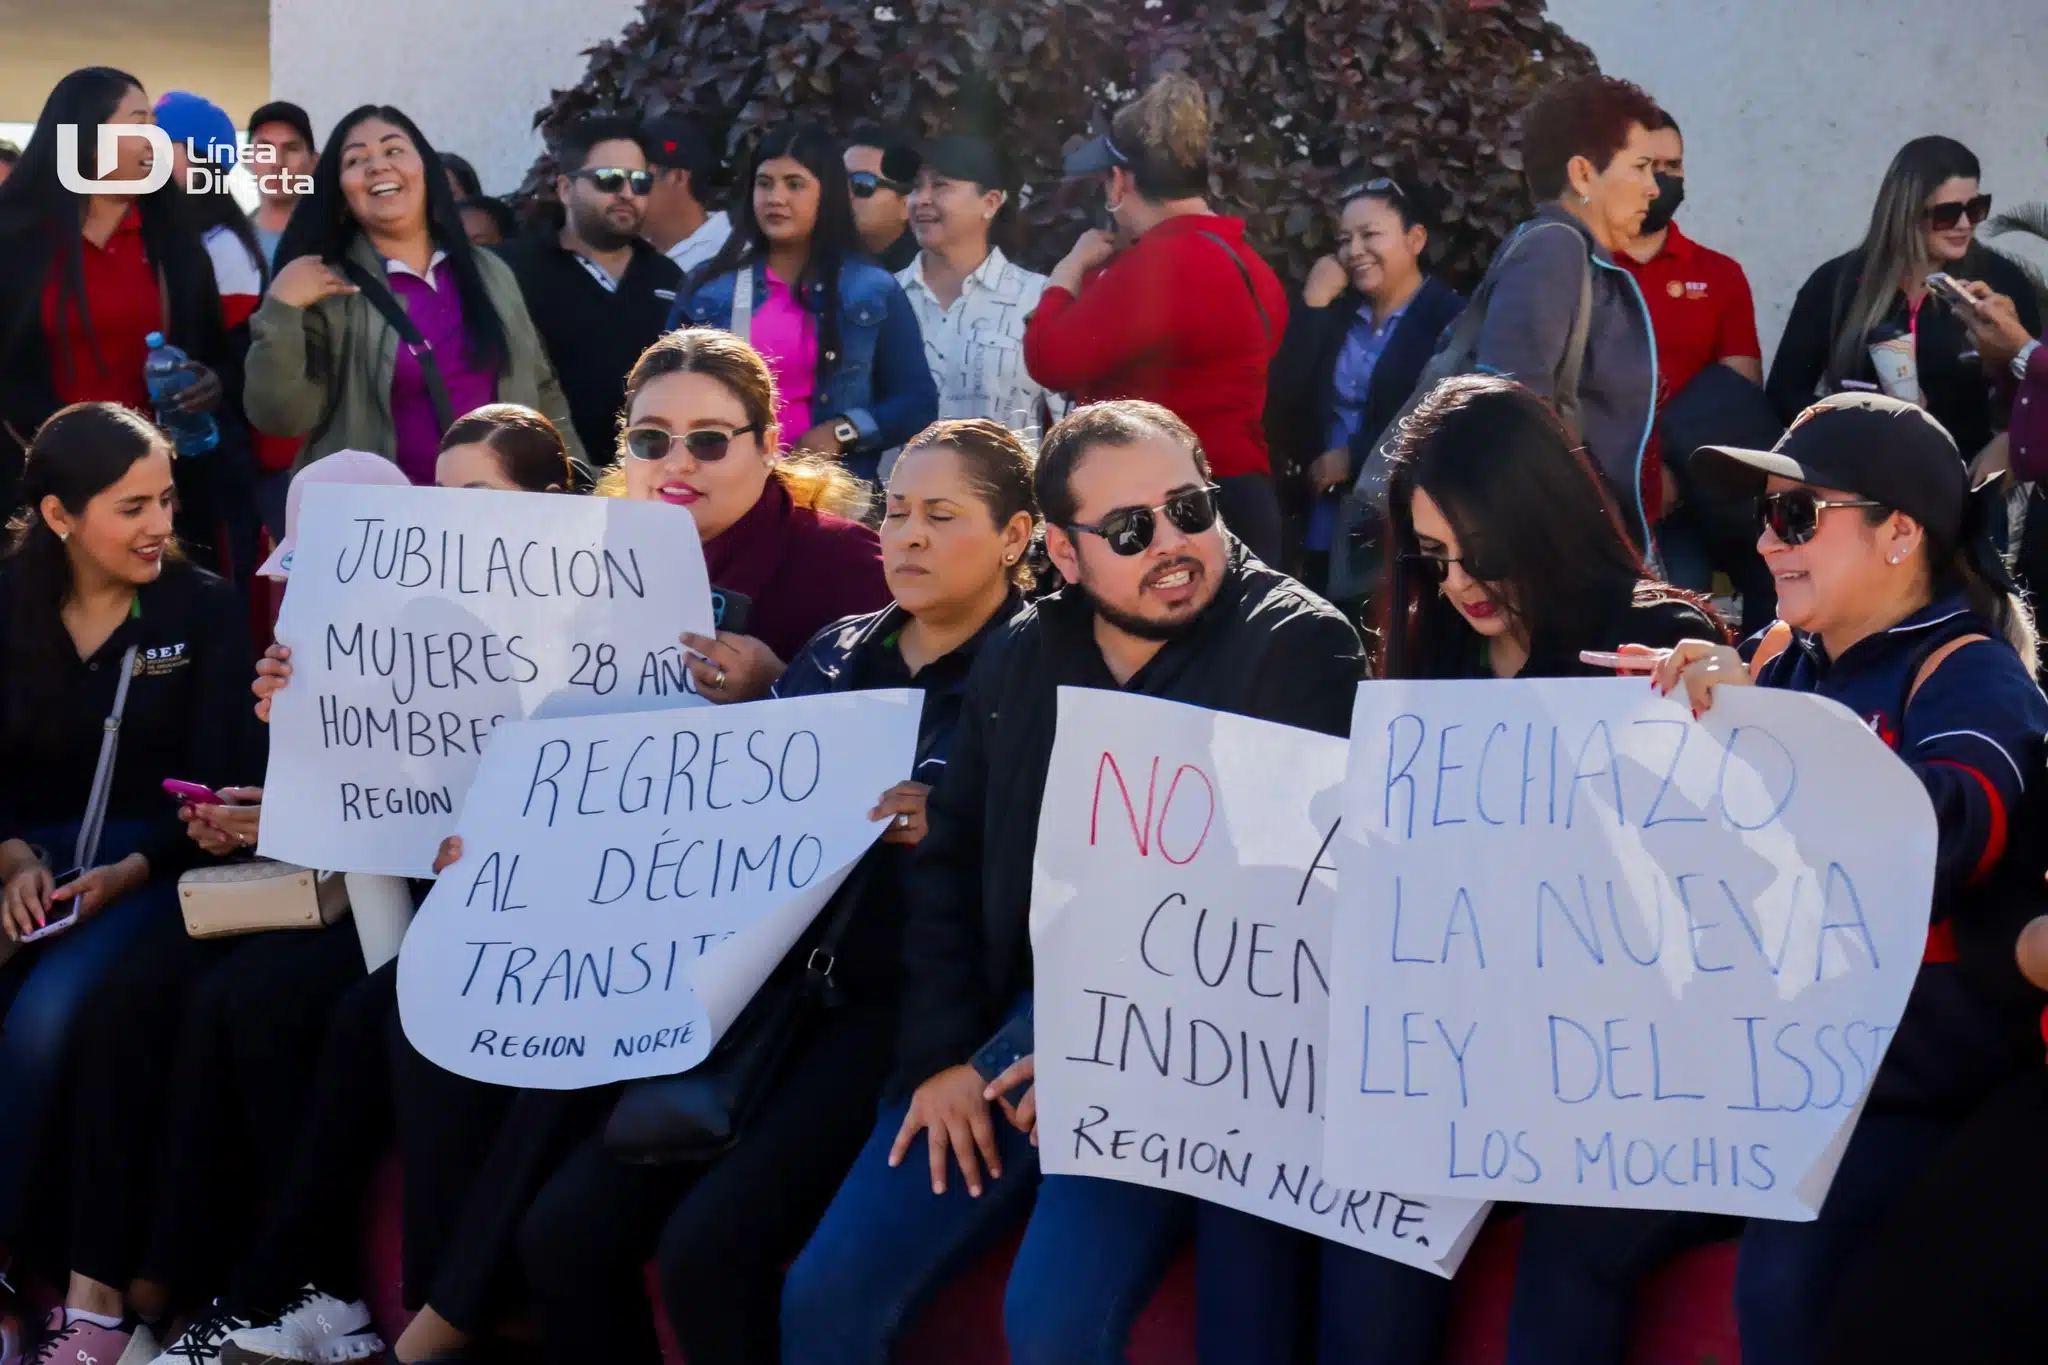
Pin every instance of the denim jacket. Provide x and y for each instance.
(879, 380)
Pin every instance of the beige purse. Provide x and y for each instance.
(251, 897)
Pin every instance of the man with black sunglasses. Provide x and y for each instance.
(1161, 601)
(881, 170)
(599, 293)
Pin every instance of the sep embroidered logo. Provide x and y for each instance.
(161, 660)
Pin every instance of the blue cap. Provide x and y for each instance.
(201, 125)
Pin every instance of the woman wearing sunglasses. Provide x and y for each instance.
(835, 329)
(780, 532)
(380, 241)
(959, 517)
(1892, 601)
(1925, 220)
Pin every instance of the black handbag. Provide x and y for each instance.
(700, 1114)
(379, 296)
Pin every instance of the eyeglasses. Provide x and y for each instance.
(866, 183)
(706, 445)
(1946, 216)
(1793, 516)
(612, 179)
(1129, 530)
(1438, 567)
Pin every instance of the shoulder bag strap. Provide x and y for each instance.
(743, 305)
(388, 307)
(1935, 658)
(845, 902)
(88, 846)
(1244, 273)
(1572, 367)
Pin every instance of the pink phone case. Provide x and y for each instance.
(192, 792)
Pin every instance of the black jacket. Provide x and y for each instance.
(1266, 648)
(1300, 389)
(1958, 391)
(593, 334)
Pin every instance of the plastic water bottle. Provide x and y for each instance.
(193, 433)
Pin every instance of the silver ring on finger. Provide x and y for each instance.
(903, 822)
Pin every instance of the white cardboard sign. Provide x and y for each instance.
(1180, 927)
(420, 619)
(628, 882)
(1593, 951)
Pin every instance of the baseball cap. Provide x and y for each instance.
(201, 125)
(343, 466)
(1096, 156)
(678, 144)
(961, 156)
(287, 113)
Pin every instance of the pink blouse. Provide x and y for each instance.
(786, 334)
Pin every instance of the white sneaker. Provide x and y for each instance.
(201, 1342)
(316, 1329)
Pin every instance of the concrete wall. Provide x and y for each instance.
(470, 72)
(1793, 108)
(216, 48)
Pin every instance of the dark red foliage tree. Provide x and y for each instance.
(1307, 95)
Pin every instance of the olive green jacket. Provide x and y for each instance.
(324, 372)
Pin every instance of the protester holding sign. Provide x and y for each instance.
(1893, 602)
(102, 619)
(1506, 560)
(1160, 602)
(960, 516)
(382, 322)
(782, 531)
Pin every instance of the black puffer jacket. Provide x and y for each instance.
(1267, 648)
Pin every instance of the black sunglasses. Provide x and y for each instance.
(1793, 516)
(612, 179)
(1946, 216)
(1129, 530)
(1438, 567)
(706, 446)
(866, 183)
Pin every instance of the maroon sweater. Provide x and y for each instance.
(803, 569)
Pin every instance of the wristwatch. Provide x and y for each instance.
(2019, 362)
(846, 433)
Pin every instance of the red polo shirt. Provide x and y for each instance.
(1700, 308)
(122, 298)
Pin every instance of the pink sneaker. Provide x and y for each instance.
(88, 1343)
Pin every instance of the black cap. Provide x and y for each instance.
(961, 156)
(1096, 156)
(678, 144)
(285, 112)
(1876, 447)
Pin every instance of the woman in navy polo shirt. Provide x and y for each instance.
(1892, 601)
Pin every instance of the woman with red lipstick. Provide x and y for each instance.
(784, 531)
(959, 518)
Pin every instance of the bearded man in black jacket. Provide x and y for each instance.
(1161, 601)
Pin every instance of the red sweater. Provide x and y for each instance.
(1170, 320)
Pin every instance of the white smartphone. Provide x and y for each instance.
(58, 926)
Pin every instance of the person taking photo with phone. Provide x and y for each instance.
(123, 667)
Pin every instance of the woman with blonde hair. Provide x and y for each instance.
(1187, 316)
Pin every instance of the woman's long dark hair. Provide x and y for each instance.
(40, 224)
(1526, 504)
(82, 451)
(834, 240)
(322, 226)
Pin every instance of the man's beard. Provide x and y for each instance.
(1142, 627)
(598, 233)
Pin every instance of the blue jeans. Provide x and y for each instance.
(1576, 1279)
(1093, 1253)
(41, 991)
(1254, 1279)
(1786, 1278)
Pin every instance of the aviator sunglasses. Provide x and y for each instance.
(1946, 216)
(612, 179)
(706, 446)
(1793, 516)
(1129, 530)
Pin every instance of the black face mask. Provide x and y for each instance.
(1670, 194)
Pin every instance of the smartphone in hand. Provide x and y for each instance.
(1944, 287)
(1010, 1045)
(192, 793)
(58, 926)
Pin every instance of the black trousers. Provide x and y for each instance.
(308, 1236)
(475, 1156)
(193, 1070)
(720, 1231)
(1251, 509)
